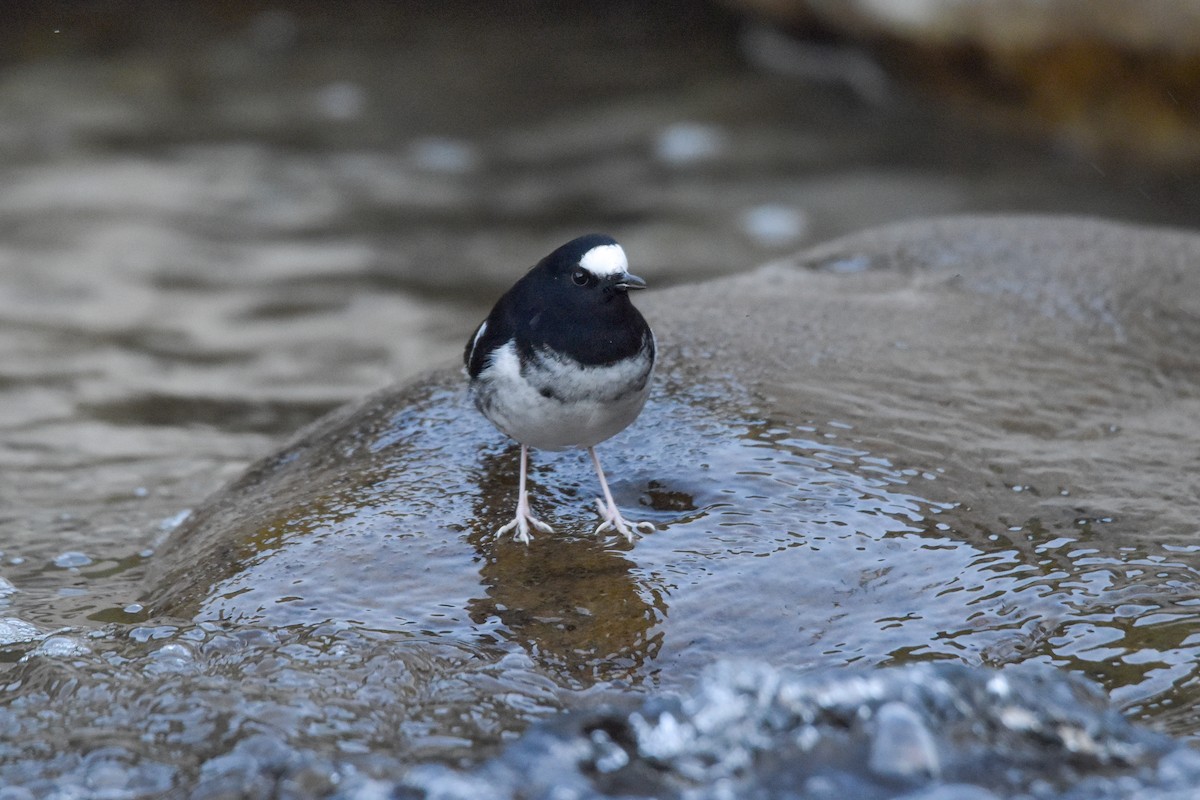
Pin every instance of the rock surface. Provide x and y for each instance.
(925, 732)
(1038, 368)
(1104, 75)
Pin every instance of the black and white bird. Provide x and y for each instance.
(564, 360)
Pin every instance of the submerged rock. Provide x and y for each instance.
(925, 732)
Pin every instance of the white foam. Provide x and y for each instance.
(605, 260)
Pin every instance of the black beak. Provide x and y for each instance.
(626, 281)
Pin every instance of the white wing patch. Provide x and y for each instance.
(475, 341)
(605, 260)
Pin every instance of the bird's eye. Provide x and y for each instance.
(579, 277)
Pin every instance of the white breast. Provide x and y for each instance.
(558, 403)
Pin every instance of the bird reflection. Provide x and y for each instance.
(571, 601)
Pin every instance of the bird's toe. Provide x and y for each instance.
(520, 526)
(612, 520)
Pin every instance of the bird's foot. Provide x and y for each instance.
(612, 519)
(521, 523)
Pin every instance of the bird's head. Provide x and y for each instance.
(591, 268)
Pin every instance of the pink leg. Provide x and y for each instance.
(524, 517)
(608, 509)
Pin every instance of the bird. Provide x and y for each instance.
(564, 360)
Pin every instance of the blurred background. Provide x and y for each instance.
(219, 220)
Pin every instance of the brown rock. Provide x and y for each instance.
(1110, 77)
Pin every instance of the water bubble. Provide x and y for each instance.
(14, 631)
(341, 100)
(145, 633)
(773, 225)
(72, 558)
(445, 155)
(610, 756)
(847, 265)
(173, 657)
(175, 650)
(107, 779)
(60, 647)
(690, 142)
(902, 747)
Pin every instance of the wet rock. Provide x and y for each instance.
(902, 748)
(964, 439)
(1105, 75)
(72, 559)
(965, 376)
(783, 735)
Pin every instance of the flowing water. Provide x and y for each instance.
(215, 227)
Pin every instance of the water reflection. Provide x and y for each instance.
(572, 601)
(1084, 599)
(795, 542)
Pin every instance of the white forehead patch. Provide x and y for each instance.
(605, 260)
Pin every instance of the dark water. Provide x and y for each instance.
(217, 224)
